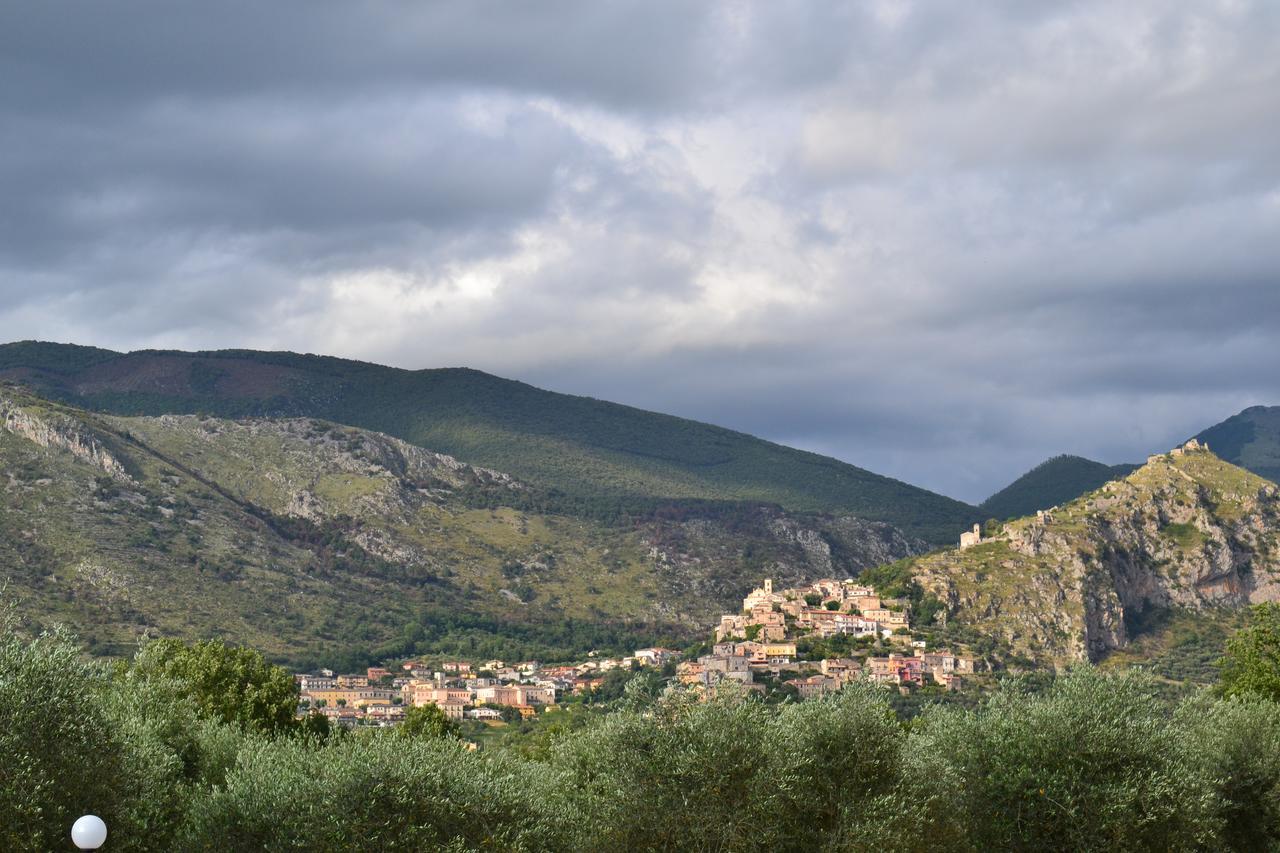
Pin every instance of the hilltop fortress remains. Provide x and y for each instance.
(1191, 446)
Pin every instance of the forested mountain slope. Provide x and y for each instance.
(597, 458)
(1052, 482)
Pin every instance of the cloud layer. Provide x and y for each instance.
(942, 241)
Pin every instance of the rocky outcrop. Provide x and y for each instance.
(343, 449)
(1187, 530)
(60, 433)
(713, 559)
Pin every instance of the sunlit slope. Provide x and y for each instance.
(1250, 439)
(1185, 532)
(1054, 481)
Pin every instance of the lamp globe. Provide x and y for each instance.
(89, 832)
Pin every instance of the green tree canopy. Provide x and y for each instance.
(228, 683)
(1252, 662)
(427, 721)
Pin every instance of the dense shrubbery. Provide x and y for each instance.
(73, 739)
(1093, 761)
(377, 793)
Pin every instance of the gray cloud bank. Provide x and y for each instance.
(939, 240)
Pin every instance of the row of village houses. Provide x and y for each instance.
(458, 688)
(742, 662)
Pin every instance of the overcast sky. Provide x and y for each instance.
(939, 240)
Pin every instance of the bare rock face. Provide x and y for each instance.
(1186, 530)
(60, 433)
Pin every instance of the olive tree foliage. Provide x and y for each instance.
(1237, 747)
(834, 764)
(681, 777)
(732, 774)
(1094, 763)
(427, 721)
(59, 754)
(176, 761)
(228, 683)
(76, 740)
(1252, 662)
(379, 792)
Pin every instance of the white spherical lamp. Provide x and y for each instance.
(89, 832)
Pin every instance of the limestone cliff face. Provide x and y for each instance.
(49, 429)
(310, 468)
(1185, 530)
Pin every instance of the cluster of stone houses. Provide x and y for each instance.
(919, 668)
(459, 688)
(762, 640)
(738, 662)
(824, 608)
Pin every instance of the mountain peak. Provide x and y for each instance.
(1052, 482)
(1187, 530)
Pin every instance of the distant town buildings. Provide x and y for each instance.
(755, 648)
(763, 640)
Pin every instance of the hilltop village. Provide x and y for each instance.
(803, 641)
(762, 644)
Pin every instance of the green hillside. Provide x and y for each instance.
(314, 540)
(1250, 439)
(1054, 481)
(597, 457)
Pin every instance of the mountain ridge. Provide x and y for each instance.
(593, 451)
(1054, 481)
(1250, 439)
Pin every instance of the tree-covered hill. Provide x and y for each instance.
(1250, 439)
(1054, 481)
(600, 457)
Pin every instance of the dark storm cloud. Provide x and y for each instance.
(939, 240)
(250, 167)
(103, 56)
